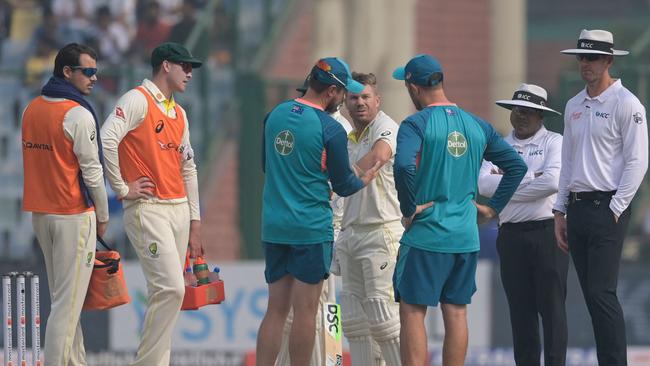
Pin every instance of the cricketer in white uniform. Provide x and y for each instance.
(62, 173)
(370, 232)
(149, 164)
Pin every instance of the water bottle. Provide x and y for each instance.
(189, 277)
(201, 271)
(214, 275)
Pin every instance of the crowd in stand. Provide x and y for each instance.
(122, 31)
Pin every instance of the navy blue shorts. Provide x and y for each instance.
(426, 278)
(309, 263)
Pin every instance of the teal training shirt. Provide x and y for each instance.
(304, 147)
(438, 158)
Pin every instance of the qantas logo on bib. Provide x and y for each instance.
(456, 144)
(284, 142)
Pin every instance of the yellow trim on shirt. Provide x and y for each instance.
(352, 136)
(169, 104)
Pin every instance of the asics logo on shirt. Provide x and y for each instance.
(160, 126)
(602, 114)
(536, 153)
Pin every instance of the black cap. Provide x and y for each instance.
(174, 52)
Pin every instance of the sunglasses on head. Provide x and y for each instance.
(588, 56)
(88, 71)
(331, 75)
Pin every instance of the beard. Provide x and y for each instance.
(333, 106)
(416, 103)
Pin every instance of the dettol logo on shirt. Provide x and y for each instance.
(284, 142)
(456, 144)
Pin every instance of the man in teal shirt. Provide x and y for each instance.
(304, 149)
(438, 158)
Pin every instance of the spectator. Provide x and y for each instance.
(110, 37)
(73, 13)
(5, 19)
(152, 31)
(170, 10)
(39, 63)
(222, 31)
(181, 30)
(123, 12)
(49, 31)
(79, 12)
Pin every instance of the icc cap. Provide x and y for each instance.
(174, 52)
(334, 71)
(419, 70)
(595, 41)
(528, 95)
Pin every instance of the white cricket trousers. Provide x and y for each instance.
(68, 245)
(159, 233)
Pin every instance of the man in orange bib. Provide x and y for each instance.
(64, 190)
(150, 166)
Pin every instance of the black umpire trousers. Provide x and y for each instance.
(533, 273)
(595, 242)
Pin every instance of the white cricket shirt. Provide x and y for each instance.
(376, 203)
(535, 196)
(605, 146)
(337, 202)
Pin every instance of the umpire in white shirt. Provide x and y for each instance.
(604, 160)
(533, 268)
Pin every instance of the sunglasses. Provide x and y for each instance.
(525, 111)
(588, 56)
(186, 66)
(88, 71)
(330, 74)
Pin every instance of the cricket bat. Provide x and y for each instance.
(332, 332)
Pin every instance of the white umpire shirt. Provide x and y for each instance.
(535, 196)
(605, 146)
